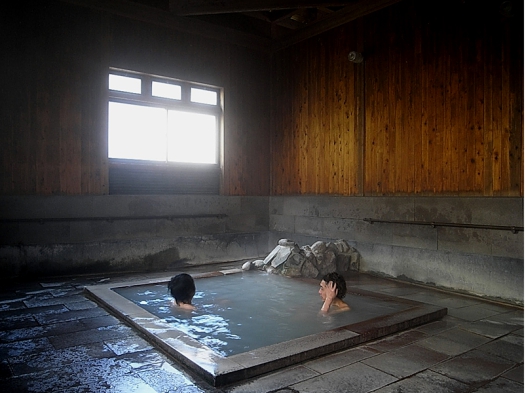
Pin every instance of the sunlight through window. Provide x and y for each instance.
(165, 90)
(192, 137)
(177, 129)
(124, 83)
(137, 132)
(203, 96)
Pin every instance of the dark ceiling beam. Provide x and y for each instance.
(336, 19)
(207, 7)
(139, 12)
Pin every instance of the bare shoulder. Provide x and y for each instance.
(341, 306)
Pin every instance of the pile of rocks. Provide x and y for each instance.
(314, 261)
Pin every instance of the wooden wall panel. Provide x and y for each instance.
(315, 134)
(54, 106)
(443, 97)
(436, 108)
(49, 95)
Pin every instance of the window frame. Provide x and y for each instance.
(145, 98)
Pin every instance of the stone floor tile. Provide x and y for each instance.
(516, 374)
(499, 307)
(398, 291)
(53, 359)
(101, 321)
(12, 295)
(406, 361)
(355, 378)
(397, 340)
(55, 284)
(454, 341)
(90, 336)
(67, 291)
(24, 347)
(436, 327)
(20, 321)
(51, 300)
(456, 301)
(490, 328)
(474, 367)
(514, 317)
(373, 287)
(36, 311)
(108, 375)
(429, 297)
(166, 378)
(472, 313)
(143, 360)
(16, 384)
(445, 299)
(332, 362)
(426, 381)
(41, 331)
(70, 315)
(274, 381)
(128, 344)
(508, 347)
(8, 305)
(86, 304)
(518, 332)
(501, 385)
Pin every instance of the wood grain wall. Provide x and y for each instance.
(53, 108)
(50, 141)
(436, 107)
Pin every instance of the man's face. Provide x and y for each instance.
(322, 289)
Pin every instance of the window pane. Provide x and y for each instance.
(203, 96)
(192, 137)
(137, 132)
(124, 83)
(166, 90)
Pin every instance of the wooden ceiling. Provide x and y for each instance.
(263, 24)
(273, 19)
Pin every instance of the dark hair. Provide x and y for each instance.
(339, 281)
(182, 288)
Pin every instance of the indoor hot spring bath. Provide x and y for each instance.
(249, 323)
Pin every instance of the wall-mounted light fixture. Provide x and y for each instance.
(355, 57)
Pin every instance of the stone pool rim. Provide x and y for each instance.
(220, 370)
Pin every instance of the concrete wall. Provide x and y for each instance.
(483, 262)
(88, 234)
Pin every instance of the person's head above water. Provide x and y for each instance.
(339, 282)
(182, 288)
(332, 290)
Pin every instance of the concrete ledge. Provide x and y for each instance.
(138, 255)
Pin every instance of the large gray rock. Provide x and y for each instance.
(294, 265)
(309, 270)
(308, 261)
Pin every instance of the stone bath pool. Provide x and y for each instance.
(251, 323)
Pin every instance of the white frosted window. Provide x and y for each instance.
(202, 96)
(137, 132)
(175, 129)
(124, 83)
(192, 137)
(165, 90)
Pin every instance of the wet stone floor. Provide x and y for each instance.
(54, 339)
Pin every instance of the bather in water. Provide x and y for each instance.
(332, 290)
(182, 288)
